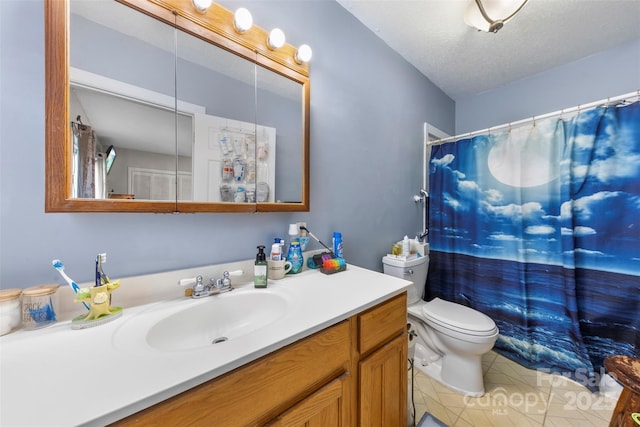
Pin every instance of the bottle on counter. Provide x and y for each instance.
(293, 233)
(406, 246)
(260, 269)
(276, 251)
(338, 245)
(280, 242)
(294, 256)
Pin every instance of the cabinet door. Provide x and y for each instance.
(325, 407)
(383, 386)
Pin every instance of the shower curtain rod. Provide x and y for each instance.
(533, 119)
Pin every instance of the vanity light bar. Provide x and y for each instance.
(243, 21)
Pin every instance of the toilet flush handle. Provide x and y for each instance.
(409, 272)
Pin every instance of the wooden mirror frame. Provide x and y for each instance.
(216, 27)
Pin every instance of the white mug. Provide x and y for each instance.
(277, 269)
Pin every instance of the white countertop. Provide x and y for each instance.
(57, 376)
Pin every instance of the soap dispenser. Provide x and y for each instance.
(260, 269)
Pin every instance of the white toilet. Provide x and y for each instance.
(450, 338)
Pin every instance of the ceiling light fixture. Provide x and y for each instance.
(303, 54)
(242, 20)
(276, 39)
(491, 15)
(202, 5)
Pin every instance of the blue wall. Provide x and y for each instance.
(606, 74)
(367, 110)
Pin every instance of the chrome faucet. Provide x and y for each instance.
(223, 284)
(215, 286)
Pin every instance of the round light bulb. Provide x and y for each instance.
(202, 5)
(242, 20)
(303, 54)
(276, 39)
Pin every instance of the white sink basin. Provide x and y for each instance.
(216, 320)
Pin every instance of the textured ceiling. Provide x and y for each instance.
(432, 35)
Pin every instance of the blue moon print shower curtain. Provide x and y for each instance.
(539, 228)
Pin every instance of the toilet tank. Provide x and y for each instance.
(414, 269)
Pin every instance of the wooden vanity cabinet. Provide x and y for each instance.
(383, 368)
(352, 373)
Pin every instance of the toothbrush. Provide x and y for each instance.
(98, 265)
(57, 264)
(101, 278)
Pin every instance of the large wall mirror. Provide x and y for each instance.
(152, 106)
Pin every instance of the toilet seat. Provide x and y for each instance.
(455, 320)
(459, 318)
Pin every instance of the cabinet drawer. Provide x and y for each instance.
(382, 323)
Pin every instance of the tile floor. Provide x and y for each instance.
(515, 396)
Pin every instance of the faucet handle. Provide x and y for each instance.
(224, 284)
(187, 282)
(226, 280)
(233, 273)
(199, 289)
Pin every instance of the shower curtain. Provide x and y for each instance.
(539, 228)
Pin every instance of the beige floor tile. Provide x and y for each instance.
(558, 421)
(515, 396)
(580, 404)
(426, 386)
(487, 361)
(504, 417)
(527, 401)
(505, 371)
(497, 378)
(602, 407)
(462, 423)
(544, 380)
(561, 382)
(439, 411)
(455, 402)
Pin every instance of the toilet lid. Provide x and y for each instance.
(458, 317)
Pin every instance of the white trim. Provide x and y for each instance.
(115, 87)
(431, 133)
(437, 133)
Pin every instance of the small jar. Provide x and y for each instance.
(9, 310)
(39, 306)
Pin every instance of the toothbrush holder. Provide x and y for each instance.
(100, 310)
